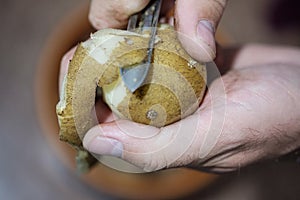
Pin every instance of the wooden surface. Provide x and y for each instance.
(29, 168)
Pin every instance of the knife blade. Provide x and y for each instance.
(135, 76)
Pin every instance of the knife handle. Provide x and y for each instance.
(148, 17)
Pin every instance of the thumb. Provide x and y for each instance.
(145, 146)
(113, 13)
(197, 20)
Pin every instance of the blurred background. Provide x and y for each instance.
(29, 169)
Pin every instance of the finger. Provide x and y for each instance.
(197, 21)
(145, 146)
(113, 13)
(127, 140)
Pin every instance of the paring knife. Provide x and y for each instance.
(146, 20)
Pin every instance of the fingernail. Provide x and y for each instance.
(105, 146)
(205, 32)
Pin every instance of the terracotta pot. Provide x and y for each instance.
(164, 184)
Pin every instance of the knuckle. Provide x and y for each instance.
(97, 21)
(134, 6)
(148, 162)
(154, 163)
(220, 5)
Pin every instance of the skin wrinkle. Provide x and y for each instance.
(239, 145)
(245, 75)
(253, 138)
(165, 161)
(261, 95)
(115, 11)
(156, 144)
(121, 18)
(213, 160)
(221, 6)
(240, 104)
(119, 12)
(280, 82)
(186, 157)
(281, 136)
(135, 7)
(148, 164)
(259, 144)
(240, 159)
(154, 164)
(233, 100)
(229, 81)
(277, 134)
(231, 87)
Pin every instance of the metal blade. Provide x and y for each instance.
(132, 22)
(135, 76)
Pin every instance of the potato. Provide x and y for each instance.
(173, 89)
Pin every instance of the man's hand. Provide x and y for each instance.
(250, 113)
